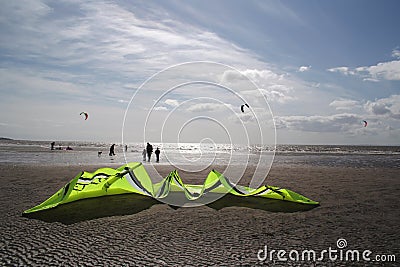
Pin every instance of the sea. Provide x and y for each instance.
(87, 153)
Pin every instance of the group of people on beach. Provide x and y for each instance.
(59, 147)
(148, 151)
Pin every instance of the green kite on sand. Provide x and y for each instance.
(133, 178)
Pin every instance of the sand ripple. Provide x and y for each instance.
(360, 205)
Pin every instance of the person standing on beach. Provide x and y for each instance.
(144, 154)
(52, 145)
(157, 152)
(149, 150)
(112, 150)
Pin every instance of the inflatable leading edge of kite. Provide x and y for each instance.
(133, 178)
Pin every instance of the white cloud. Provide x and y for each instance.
(172, 102)
(382, 71)
(160, 108)
(370, 80)
(262, 75)
(389, 107)
(84, 52)
(377, 108)
(331, 123)
(205, 107)
(396, 53)
(277, 93)
(344, 104)
(276, 87)
(26, 82)
(386, 70)
(259, 76)
(100, 50)
(342, 70)
(304, 68)
(104, 37)
(242, 118)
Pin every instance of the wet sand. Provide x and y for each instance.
(358, 204)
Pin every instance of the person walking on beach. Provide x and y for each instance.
(149, 150)
(157, 152)
(112, 150)
(144, 154)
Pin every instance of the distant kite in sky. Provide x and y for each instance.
(242, 107)
(365, 123)
(86, 115)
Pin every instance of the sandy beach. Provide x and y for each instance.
(358, 205)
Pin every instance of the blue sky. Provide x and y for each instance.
(323, 67)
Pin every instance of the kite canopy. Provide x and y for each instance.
(242, 107)
(133, 178)
(86, 115)
(365, 123)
